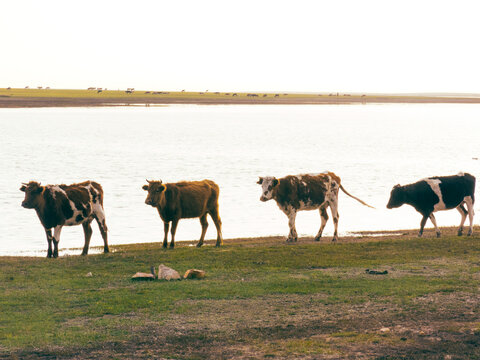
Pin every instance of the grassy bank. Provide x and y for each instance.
(261, 298)
(64, 97)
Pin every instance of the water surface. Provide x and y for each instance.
(371, 147)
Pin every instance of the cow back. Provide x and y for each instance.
(455, 188)
(189, 199)
(60, 202)
(296, 190)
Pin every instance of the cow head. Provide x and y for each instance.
(156, 190)
(397, 197)
(268, 184)
(32, 191)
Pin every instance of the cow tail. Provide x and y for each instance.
(360, 201)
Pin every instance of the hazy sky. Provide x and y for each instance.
(318, 46)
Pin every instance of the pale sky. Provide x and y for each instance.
(303, 46)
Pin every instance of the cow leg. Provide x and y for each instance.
(204, 223)
(173, 230)
(463, 212)
(469, 202)
(292, 236)
(434, 222)
(324, 219)
(335, 216)
(56, 239)
(87, 230)
(166, 225)
(422, 224)
(218, 224)
(102, 225)
(49, 241)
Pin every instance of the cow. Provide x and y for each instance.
(295, 193)
(183, 200)
(67, 205)
(438, 193)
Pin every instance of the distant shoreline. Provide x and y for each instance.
(37, 98)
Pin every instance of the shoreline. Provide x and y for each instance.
(39, 98)
(349, 238)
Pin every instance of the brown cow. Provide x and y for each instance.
(294, 193)
(66, 205)
(183, 200)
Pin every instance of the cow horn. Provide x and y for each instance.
(148, 181)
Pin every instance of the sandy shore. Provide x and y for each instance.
(47, 101)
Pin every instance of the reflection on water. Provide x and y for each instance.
(371, 147)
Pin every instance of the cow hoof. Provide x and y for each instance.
(317, 238)
(199, 245)
(470, 233)
(106, 251)
(172, 246)
(459, 233)
(84, 253)
(438, 235)
(420, 234)
(165, 245)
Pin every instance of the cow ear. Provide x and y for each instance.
(162, 188)
(145, 187)
(23, 188)
(260, 181)
(275, 182)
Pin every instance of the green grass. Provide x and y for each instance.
(71, 93)
(51, 306)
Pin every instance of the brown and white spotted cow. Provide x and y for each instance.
(183, 200)
(295, 193)
(67, 205)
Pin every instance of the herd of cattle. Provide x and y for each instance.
(66, 205)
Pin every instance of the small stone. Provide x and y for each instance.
(139, 276)
(166, 273)
(89, 274)
(384, 330)
(194, 274)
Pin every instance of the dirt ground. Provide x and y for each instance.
(28, 102)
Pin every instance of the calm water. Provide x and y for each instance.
(371, 147)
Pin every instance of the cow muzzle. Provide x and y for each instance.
(26, 205)
(149, 202)
(263, 198)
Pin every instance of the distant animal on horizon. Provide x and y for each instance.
(184, 200)
(438, 193)
(67, 205)
(294, 193)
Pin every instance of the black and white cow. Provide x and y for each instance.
(295, 193)
(66, 205)
(435, 194)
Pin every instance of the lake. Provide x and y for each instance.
(371, 147)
